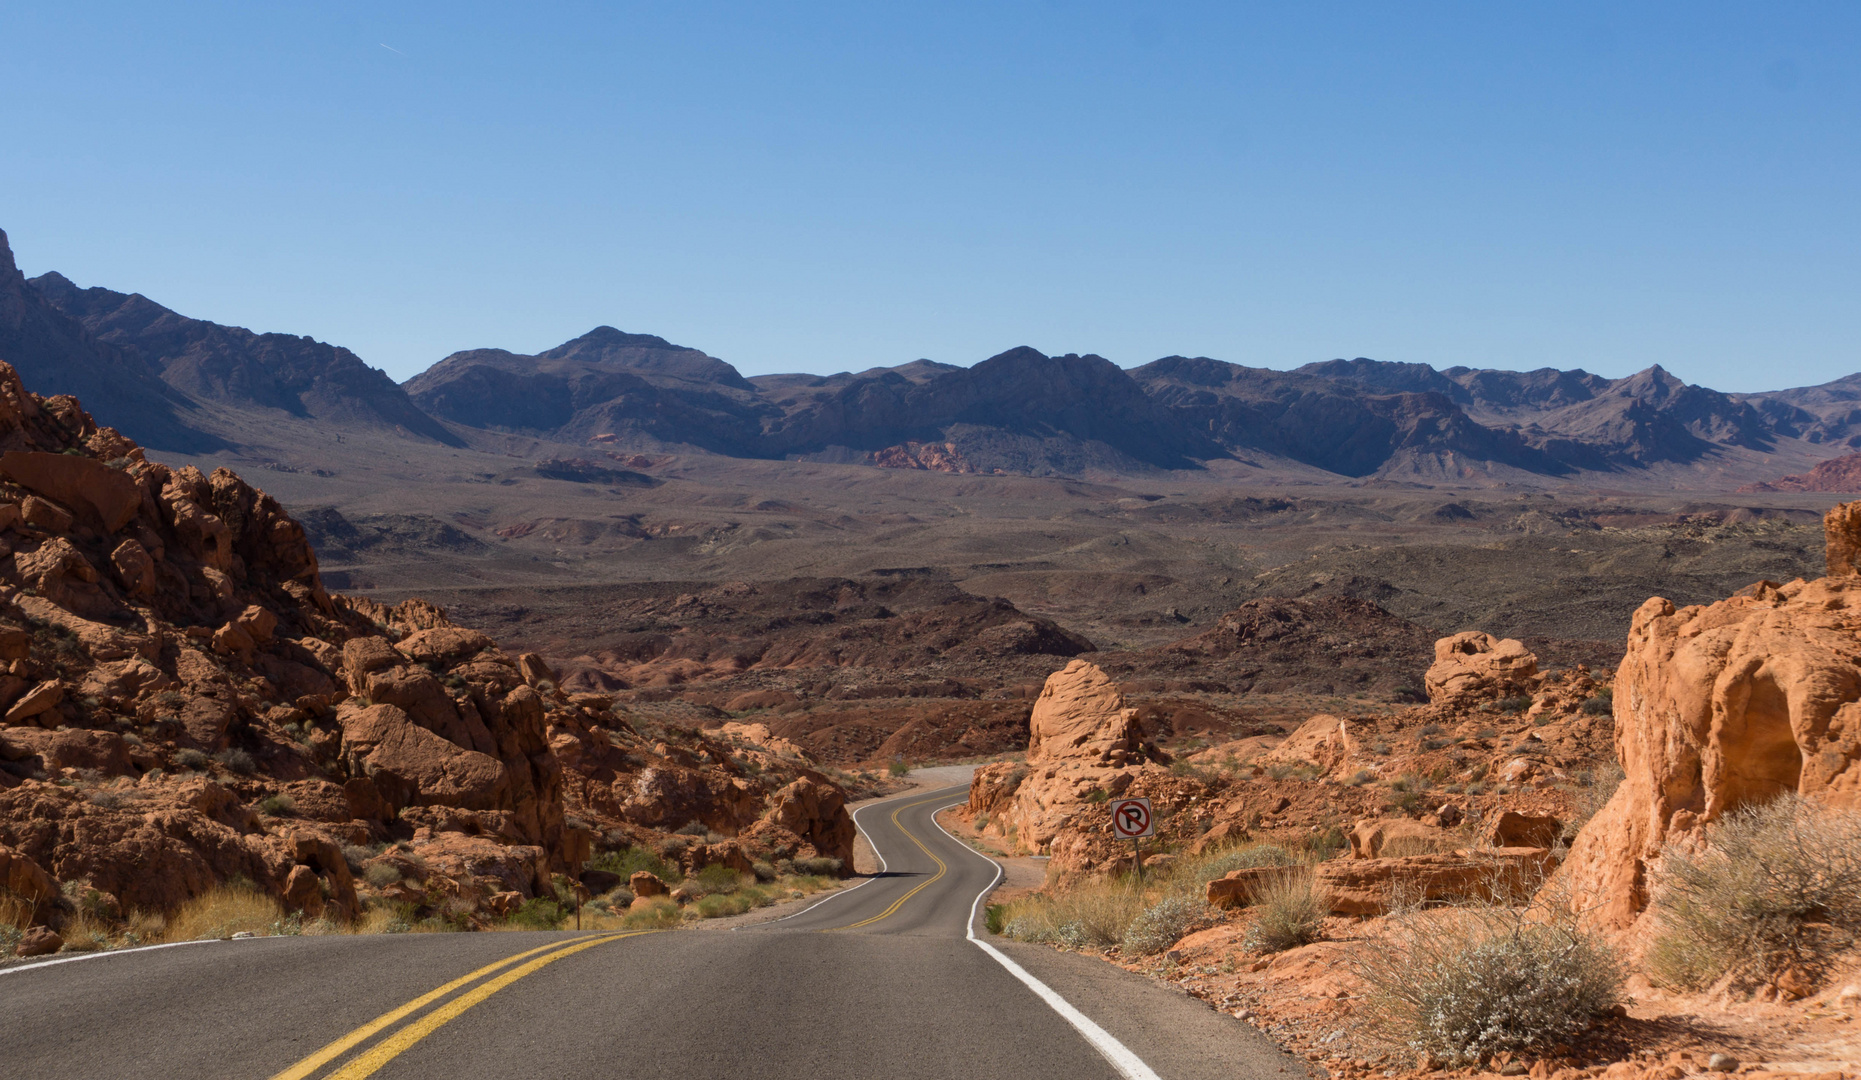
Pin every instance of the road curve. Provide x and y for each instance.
(880, 980)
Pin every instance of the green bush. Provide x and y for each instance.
(236, 759)
(819, 866)
(715, 880)
(1602, 704)
(635, 859)
(538, 913)
(279, 805)
(192, 759)
(898, 767)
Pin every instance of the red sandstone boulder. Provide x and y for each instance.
(1368, 887)
(39, 941)
(1472, 666)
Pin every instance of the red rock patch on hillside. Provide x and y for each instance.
(1842, 474)
(183, 704)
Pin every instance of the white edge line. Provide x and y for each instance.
(54, 962)
(1128, 1064)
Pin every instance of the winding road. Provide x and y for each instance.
(893, 977)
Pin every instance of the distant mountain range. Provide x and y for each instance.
(172, 382)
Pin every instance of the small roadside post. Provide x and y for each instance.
(1131, 819)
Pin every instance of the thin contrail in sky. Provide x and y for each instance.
(391, 48)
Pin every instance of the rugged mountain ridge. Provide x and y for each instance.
(172, 381)
(300, 376)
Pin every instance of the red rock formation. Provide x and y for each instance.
(1472, 666)
(182, 703)
(1841, 474)
(1722, 706)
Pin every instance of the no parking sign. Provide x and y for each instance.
(1131, 819)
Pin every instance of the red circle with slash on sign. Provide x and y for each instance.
(1131, 819)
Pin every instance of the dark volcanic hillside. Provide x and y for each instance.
(59, 356)
(604, 382)
(193, 386)
(233, 365)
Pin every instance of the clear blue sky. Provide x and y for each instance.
(829, 187)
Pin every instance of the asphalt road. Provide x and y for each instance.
(880, 980)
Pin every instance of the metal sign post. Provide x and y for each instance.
(1131, 819)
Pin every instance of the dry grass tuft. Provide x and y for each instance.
(1289, 911)
(227, 910)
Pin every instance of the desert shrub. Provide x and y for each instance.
(635, 859)
(1360, 778)
(1512, 704)
(1165, 922)
(1323, 844)
(723, 905)
(1430, 729)
(1289, 911)
(1462, 984)
(1397, 847)
(898, 767)
(1597, 787)
(223, 912)
(992, 917)
(538, 913)
(279, 805)
(355, 855)
(1090, 914)
(1434, 744)
(1380, 749)
(692, 828)
(658, 913)
(191, 759)
(819, 866)
(715, 880)
(236, 759)
(382, 874)
(1602, 704)
(15, 916)
(1778, 888)
(1240, 858)
(764, 871)
(387, 919)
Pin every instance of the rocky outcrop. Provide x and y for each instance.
(1841, 528)
(1369, 887)
(1841, 474)
(1084, 745)
(1473, 666)
(183, 704)
(1723, 706)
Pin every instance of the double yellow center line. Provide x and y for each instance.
(942, 869)
(371, 1061)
